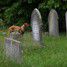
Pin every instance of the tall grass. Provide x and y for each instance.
(54, 54)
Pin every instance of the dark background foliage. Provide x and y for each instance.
(18, 12)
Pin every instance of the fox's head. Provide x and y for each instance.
(26, 24)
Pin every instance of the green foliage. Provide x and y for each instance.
(58, 5)
(53, 55)
(18, 12)
(49, 4)
(2, 24)
(11, 13)
(7, 2)
(31, 1)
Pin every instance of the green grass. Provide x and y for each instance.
(54, 54)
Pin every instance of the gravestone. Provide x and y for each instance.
(36, 23)
(53, 23)
(66, 21)
(13, 49)
(15, 35)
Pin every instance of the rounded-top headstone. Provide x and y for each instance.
(66, 21)
(53, 23)
(36, 23)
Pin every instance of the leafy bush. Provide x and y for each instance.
(10, 14)
(20, 11)
(58, 5)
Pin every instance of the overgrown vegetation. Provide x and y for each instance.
(54, 54)
(19, 11)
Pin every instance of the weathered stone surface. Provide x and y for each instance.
(36, 22)
(13, 49)
(53, 23)
(15, 35)
(66, 21)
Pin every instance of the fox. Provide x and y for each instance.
(20, 29)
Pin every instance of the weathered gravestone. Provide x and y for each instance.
(66, 22)
(36, 23)
(15, 35)
(53, 23)
(13, 49)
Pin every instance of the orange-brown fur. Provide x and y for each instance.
(18, 28)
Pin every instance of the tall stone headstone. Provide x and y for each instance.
(53, 23)
(36, 23)
(13, 49)
(66, 21)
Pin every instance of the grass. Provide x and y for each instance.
(54, 54)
